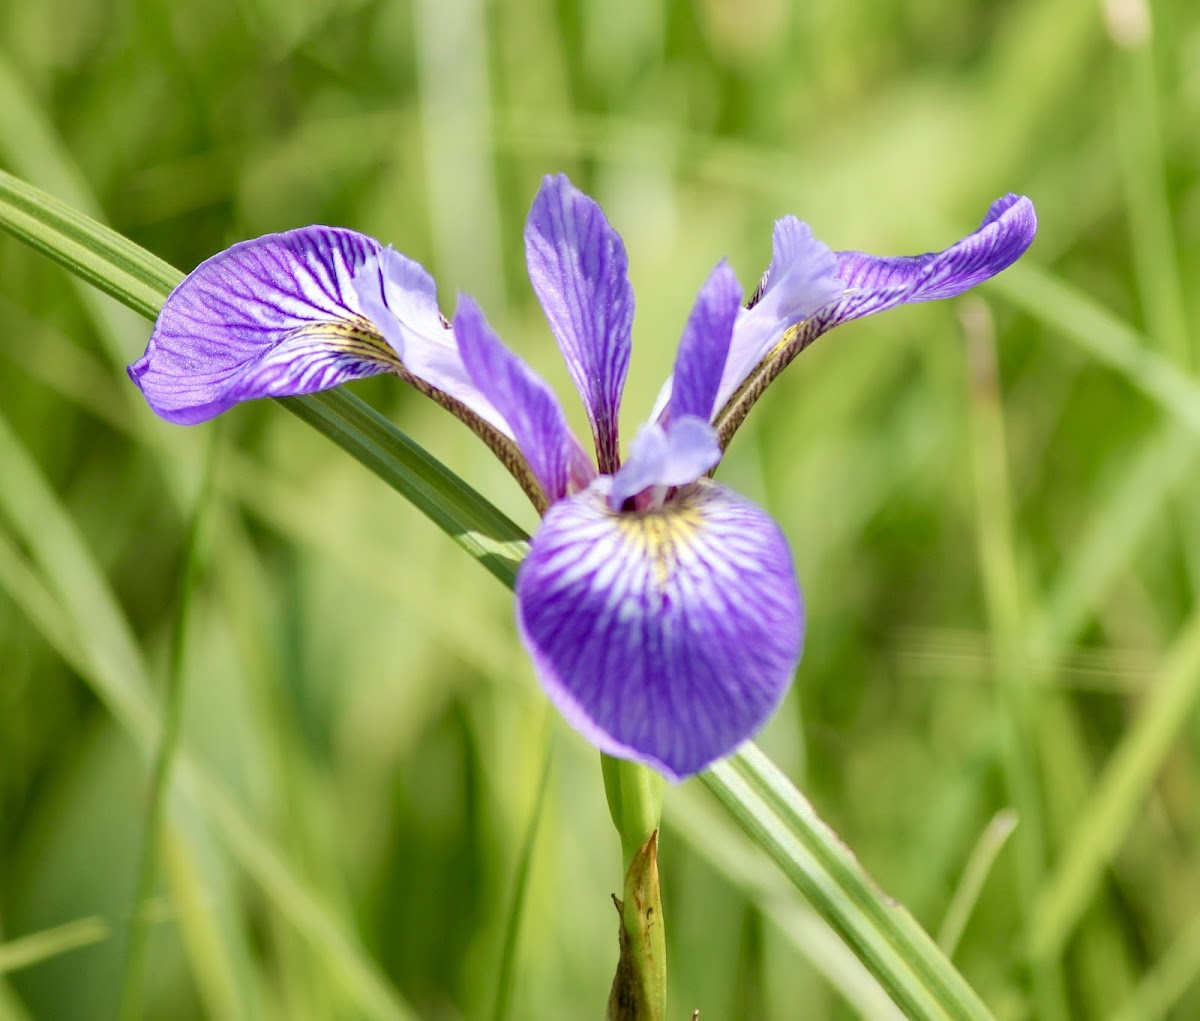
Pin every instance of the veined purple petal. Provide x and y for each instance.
(802, 278)
(400, 298)
(874, 283)
(272, 317)
(661, 457)
(704, 347)
(579, 271)
(668, 637)
(528, 405)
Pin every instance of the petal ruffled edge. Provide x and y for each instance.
(272, 317)
(667, 637)
(528, 405)
(579, 271)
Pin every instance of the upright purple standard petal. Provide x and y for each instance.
(528, 405)
(668, 637)
(802, 278)
(874, 283)
(579, 271)
(704, 347)
(272, 317)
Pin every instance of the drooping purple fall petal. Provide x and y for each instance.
(669, 636)
(579, 271)
(704, 346)
(528, 405)
(271, 317)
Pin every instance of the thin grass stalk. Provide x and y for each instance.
(1119, 797)
(130, 997)
(1104, 336)
(26, 951)
(979, 866)
(1016, 699)
(502, 1006)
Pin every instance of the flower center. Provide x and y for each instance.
(661, 459)
(661, 533)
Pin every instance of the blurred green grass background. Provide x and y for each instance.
(992, 503)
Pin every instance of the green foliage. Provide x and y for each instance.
(1000, 565)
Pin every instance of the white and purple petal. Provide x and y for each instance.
(802, 278)
(669, 636)
(579, 271)
(399, 296)
(529, 407)
(874, 283)
(704, 346)
(272, 317)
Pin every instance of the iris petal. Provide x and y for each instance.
(400, 297)
(802, 278)
(579, 270)
(668, 637)
(272, 317)
(874, 283)
(529, 406)
(704, 347)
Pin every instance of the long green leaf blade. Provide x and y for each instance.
(102, 257)
(897, 951)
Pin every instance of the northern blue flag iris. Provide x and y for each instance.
(659, 607)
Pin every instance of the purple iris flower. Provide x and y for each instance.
(660, 608)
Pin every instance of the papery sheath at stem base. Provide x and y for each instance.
(639, 989)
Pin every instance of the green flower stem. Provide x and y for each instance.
(634, 795)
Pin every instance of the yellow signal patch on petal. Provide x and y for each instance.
(662, 536)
